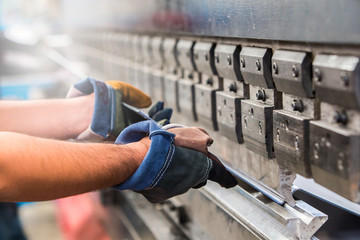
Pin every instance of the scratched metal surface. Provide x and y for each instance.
(324, 21)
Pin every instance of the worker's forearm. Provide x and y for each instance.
(50, 118)
(35, 169)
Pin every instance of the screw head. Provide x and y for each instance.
(232, 87)
(275, 68)
(297, 105)
(295, 71)
(258, 65)
(209, 81)
(341, 117)
(260, 95)
(317, 75)
(242, 62)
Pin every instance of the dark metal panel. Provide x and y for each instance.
(326, 21)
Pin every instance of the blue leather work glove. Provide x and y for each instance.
(160, 114)
(168, 170)
(108, 118)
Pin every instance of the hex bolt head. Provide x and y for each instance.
(344, 78)
(232, 87)
(229, 59)
(209, 81)
(297, 105)
(275, 68)
(341, 117)
(295, 71)
(242, 62)
(317, 75)
(258, 65)
(260, 95)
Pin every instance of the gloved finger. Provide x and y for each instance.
(220, 174)
(156, 108)
(162, 114)
(192, 137)
(131, 95)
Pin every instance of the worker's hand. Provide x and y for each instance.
(168, 170)
(160, 114)
(108, 117)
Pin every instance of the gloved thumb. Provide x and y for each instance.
(131, 95)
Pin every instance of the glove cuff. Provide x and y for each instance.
(108, 116)
(157, 159)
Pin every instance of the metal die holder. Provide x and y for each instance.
(171, 70)
(337, 80)
(157, 80)
(204, 57)
(186, 91)
(255, 66)
(184, 54)
(292, 73)
(157, 52)
(334, 158)
(257, 129)
(291, 141)
(171, 91)
(228, 106)
(227, 61)
(205, 97)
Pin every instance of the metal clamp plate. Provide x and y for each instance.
(257, 127)
(291, 141)
(255, 66)
(204, 57)
(206, 105)
(334, 158)
(157, 51)
(171, 91)
(292, 72)
(169, 46)
(228, 107)
(227, 61)
(187, 104)
(184, 54)
(337, 80)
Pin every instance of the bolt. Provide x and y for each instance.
(229, 59)
(242, 62)
(206, 57)
(258, 65)
(317, 75)
(297, 144)
(209, 81)
(341, 117)
(278, 135)
(232, 87)
(295, 71)
(344, 78)
(275, 68)
(297, 105)
(217, 59)
(260, 95)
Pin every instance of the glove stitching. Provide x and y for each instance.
(164, 168)
(210, 164)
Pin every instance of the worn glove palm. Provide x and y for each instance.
(168, 170)
(108, 118)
